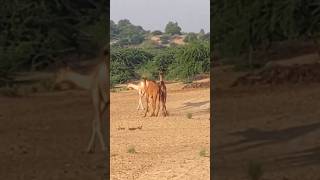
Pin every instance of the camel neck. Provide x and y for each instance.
(161, 78)
(133, 86)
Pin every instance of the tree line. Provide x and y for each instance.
(36, 34)
(179, 63)
(243, 27)
(125, 33)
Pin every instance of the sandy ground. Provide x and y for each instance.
(276, 127)
(43, 137)
(166, 147)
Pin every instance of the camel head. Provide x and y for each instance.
(129, 87)
(161, 75)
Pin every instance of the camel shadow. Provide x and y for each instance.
(188, 105)
(135, 128)
(306, 157)
(253, 138)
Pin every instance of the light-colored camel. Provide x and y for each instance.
(163, 95)
(98, 85)
(152, 93)
(140, 89)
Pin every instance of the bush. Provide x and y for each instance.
(125, 62)
(160, 62)
(190, 60)
(156, 32)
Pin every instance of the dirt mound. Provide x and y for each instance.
(197, 85)
(306, 73)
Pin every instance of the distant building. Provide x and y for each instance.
(156, 39)
(178, 39)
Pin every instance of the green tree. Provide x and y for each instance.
(114, 31)
(125, 62)
(156, 32)
(134, 34)
(191, 37)
(202, 32)
(172, 28)
(190, 60)
(37, 34)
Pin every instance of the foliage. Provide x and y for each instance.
(156, 32)
(183, 62)
(127, 33)
(243, 27)
(160, 62)
(190, 60)
(125, 62)
(35, 34)
(191, 37)
(172, 28)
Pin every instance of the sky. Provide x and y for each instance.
(191, 15)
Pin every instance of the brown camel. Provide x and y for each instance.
(152, 93)
(163, 95)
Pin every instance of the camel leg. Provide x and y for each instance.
(138, 106)
(158, 106)
(98, 131)
(140, 103)
(98, 128)
(154, 104)
(93, 137)
(97, 109)
(147, 102)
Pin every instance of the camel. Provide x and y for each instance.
(163, 95)
(152, 92)
(97, 83)
(140, 89)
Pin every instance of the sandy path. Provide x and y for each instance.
(166, 148)
(44, 137)
(277, 127)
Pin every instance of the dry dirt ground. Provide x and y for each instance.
(165, 147)
(276, 127)
(43, 137)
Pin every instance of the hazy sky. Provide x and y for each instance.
(191, 15)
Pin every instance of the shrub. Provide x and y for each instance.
(189, 115)
(190, 60)
(202, 152)
(125, 62)
(132, 150)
